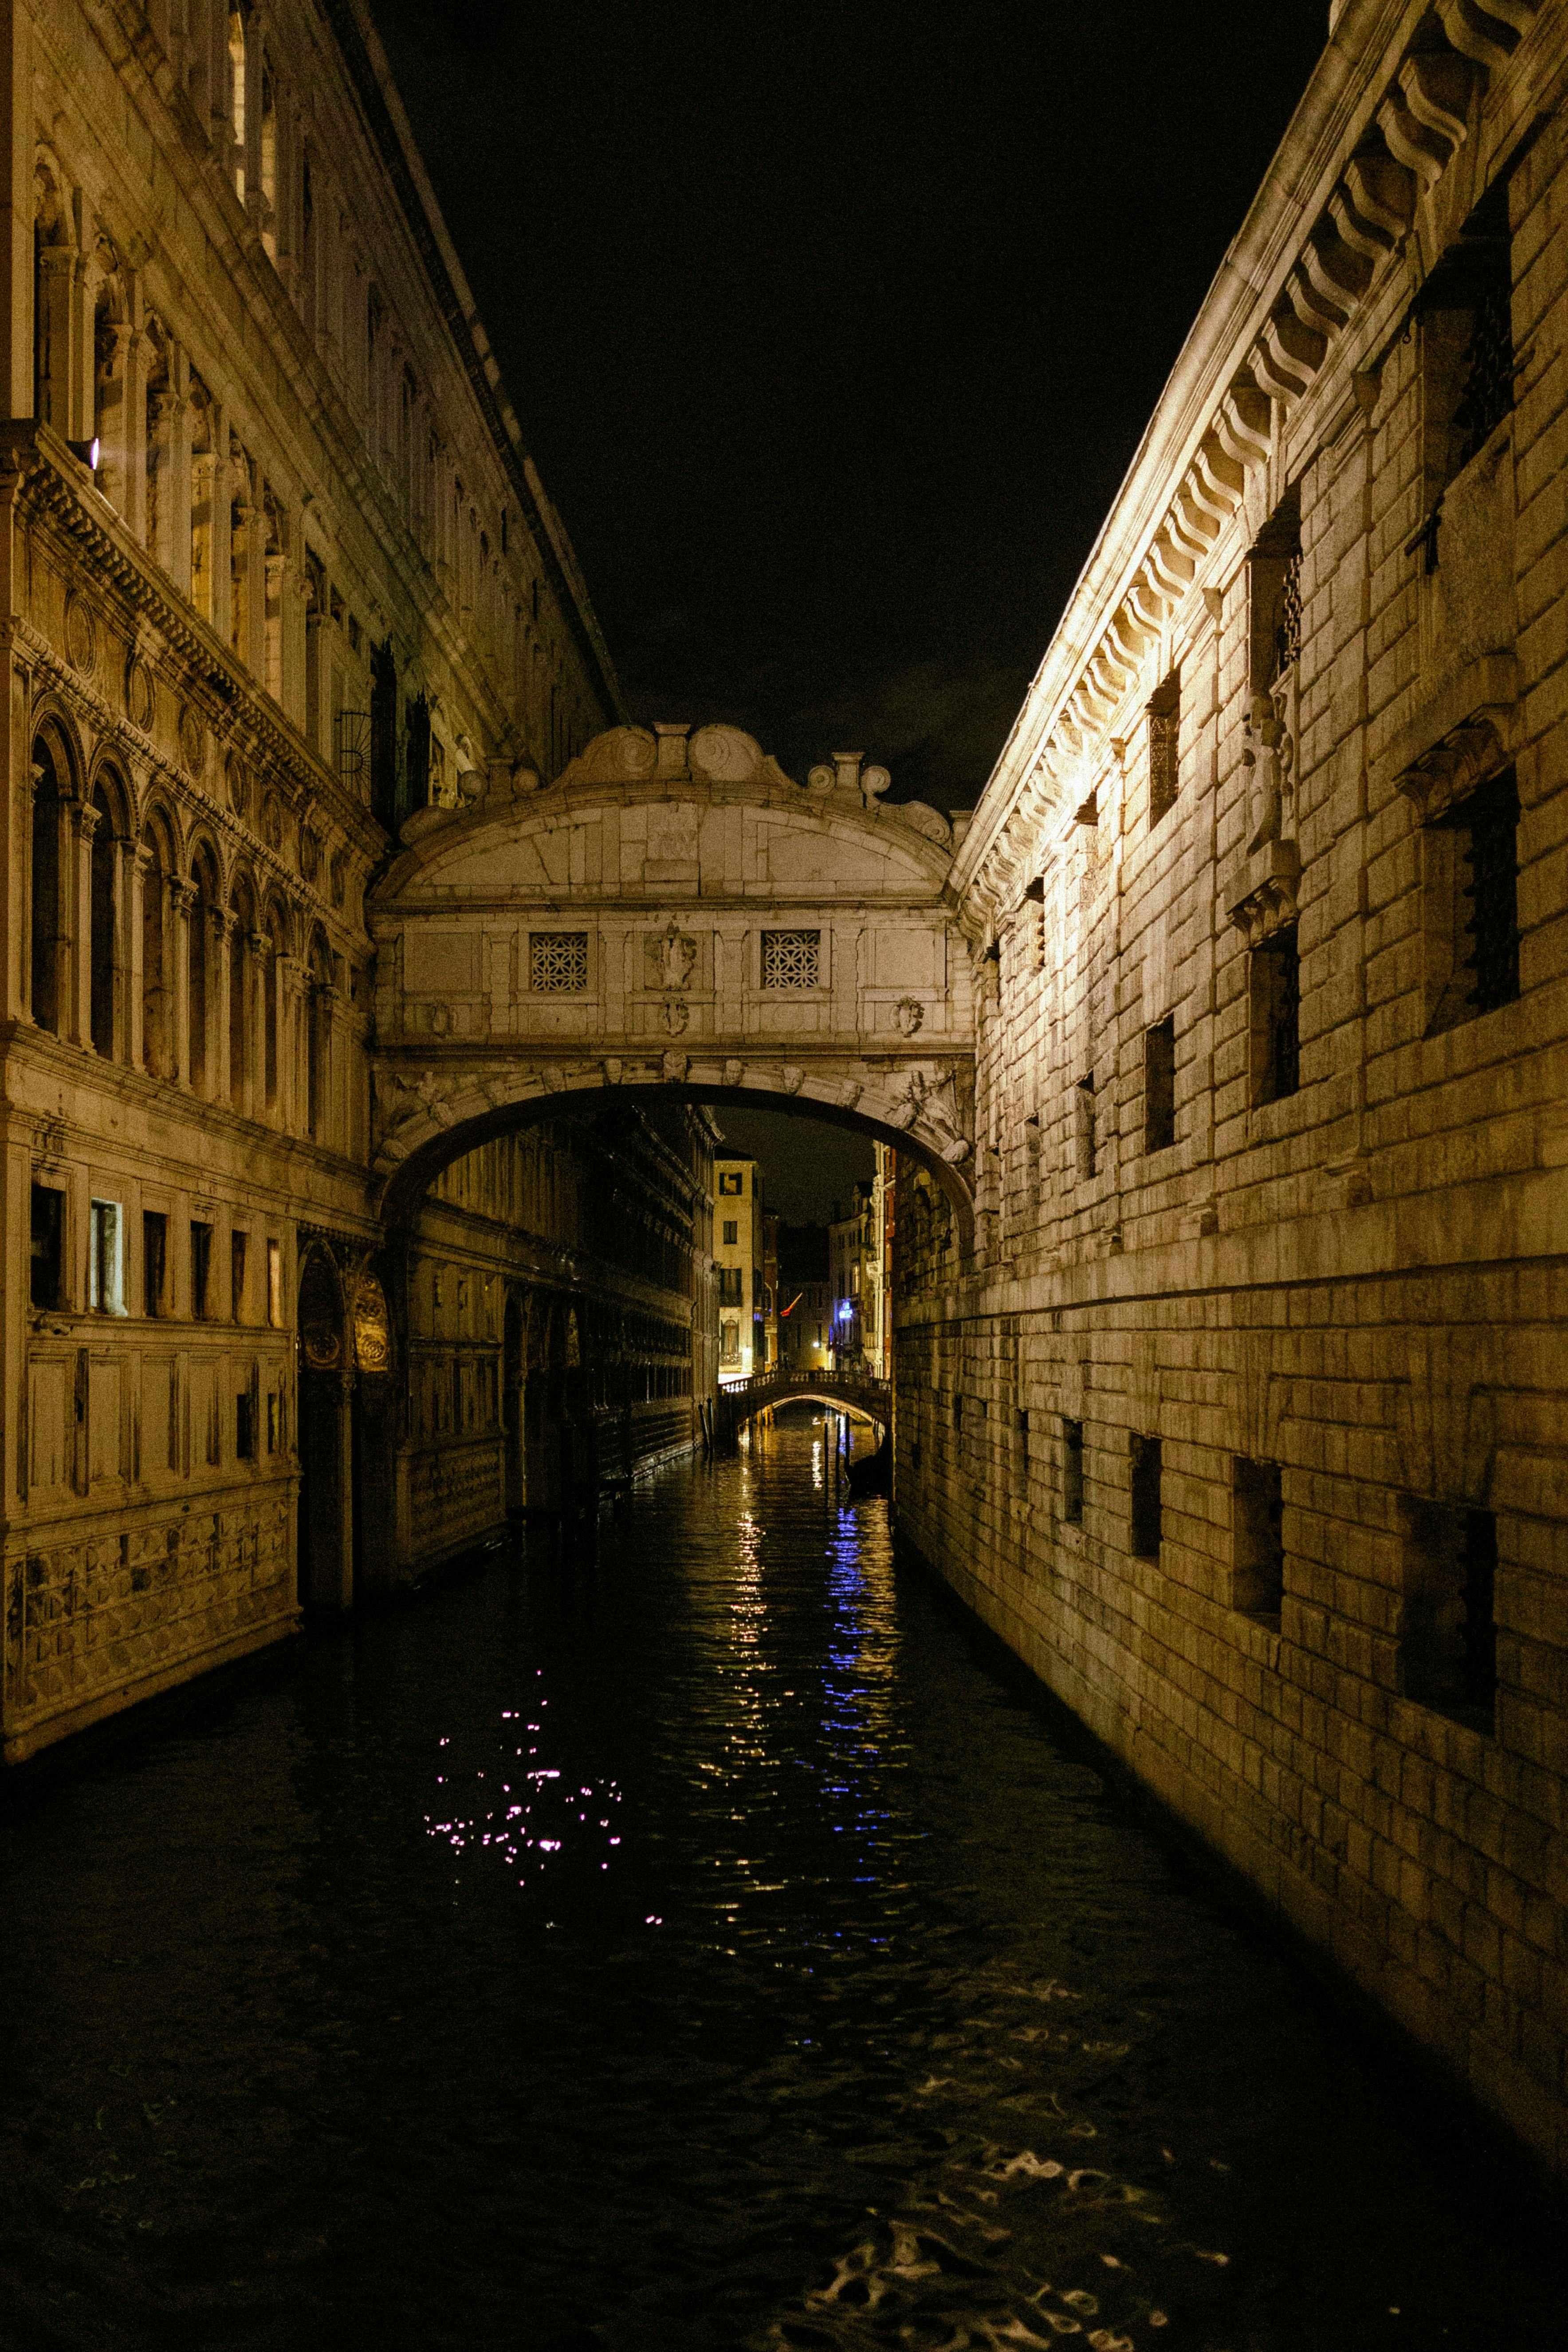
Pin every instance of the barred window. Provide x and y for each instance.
(1276, 1008)
(1164, 736)
(791, 959)
(558, 962)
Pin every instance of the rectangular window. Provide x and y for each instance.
(1072, 1472)
(1164, 734)
(154, 1260)
(1447, 1650)
(1147, 1528)
(731, 1232)
(245, 1426)
(1470, 885)
(791, 959)
(1160, 1085)
(733, 1183)
(274, 1285)
(238, 1247)
(730, 1279)
(1257, 1523)
(48, 1276)
(729, 1342)
(558, 962)
(201, 1270)
(105, 1268)
(1083, 1125)
(1275, 982)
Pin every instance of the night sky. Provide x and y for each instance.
(832, 328)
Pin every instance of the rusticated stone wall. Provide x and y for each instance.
(1244, 1424)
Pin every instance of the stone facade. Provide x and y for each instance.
(275, 571)
(1243, 1425)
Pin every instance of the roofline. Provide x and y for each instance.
(371, 76)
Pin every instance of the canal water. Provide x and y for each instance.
(688, 1947)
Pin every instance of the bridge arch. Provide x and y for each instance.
(741, 1400)
(673, 918)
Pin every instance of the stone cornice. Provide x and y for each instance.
(1376, 130)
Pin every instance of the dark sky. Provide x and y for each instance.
(807, 1165)
(832, 328)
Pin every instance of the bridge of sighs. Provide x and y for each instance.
(673, 913)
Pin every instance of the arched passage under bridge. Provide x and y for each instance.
(673, 914)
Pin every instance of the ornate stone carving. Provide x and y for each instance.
(925, 820)
(193, 738)
(674, 958)
(908, 1016)
(675, 1066)
(675, 1014)
(1268, 755)
(725, 755)
(1452, 769)
(81, 636)
(141, 699)
(1260, 899)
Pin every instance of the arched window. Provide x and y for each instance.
(203, 881)
(316, 1020)
(237, 95)
(272, 1041)
(105, 959)
(156, 993)
(47, 797)
(243, 924)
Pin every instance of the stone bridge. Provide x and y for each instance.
(738, 1401)
(673, 913)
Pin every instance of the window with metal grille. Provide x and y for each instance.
(729, 1285)
(1257, 1523)
(351, 729)
(791, 959)
(1147, 1521)
(1471, 876)
(1276, 993)
(1448, 1648)
(1486, 385)
(1288, 627)
(558, 962)
(1160, 1085)
(1164, 731)
(1072, 1472)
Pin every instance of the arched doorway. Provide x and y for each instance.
(324, 1554)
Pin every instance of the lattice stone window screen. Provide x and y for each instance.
(792, 958)
(558, 962)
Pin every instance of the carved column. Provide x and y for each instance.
(139, 864)
(323, 1007)
(160, 503)
(219, 925)
(256, 1104)
(203, 535)
(178, 498)
(57, 282)
(124, 884)
(293, 983)
(77, 881)
(117, 347)
(177, 943)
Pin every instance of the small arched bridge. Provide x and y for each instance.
(673, 914)
(741, 1400)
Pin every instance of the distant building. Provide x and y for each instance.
(876, 1271)
(738, 1252)
(851, 1249)
(804, 1303)
(770, 1354)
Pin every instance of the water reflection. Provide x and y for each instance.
(692, 1948)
